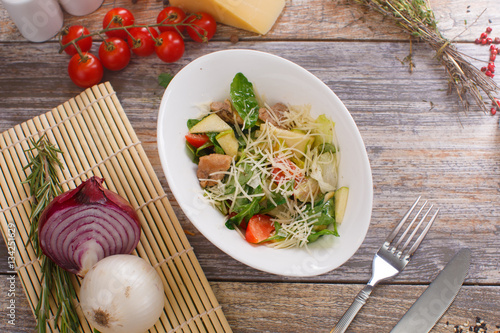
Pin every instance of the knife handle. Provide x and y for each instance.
(353, 310)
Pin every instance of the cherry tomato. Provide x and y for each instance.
(73, 32)
(142, 43)
(171, 15)
(259, 228)
(117, 17)
(114, 54)
(170, 46)
(196, 140)
(203, 27)
(85, 71)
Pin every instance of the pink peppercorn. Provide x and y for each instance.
(497, 40)
(483, 69)
(493, 57)
(477, 41)
(489, 29)
(493, 111)
(492, 47)
(488, 73)
(489, 40)
(484, 35)
(491, 67)
(495, 51)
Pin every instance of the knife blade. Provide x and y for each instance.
(435, 300)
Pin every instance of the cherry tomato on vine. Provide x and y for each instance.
(85, 71)
(73, 32)
(143, 42)
(171, 15)
(170, 46)
(117, 17)
(203, 27)
(114, 54)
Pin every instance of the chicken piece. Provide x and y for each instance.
(225, 111)
(275, 115)
(210, 164)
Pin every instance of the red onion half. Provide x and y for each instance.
(82, 226)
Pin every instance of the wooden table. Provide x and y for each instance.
(418, 138)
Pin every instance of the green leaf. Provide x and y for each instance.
(245, 208)
(276, 236)
(164, 79)
(315, 235)
(244, 100)
(192, 122)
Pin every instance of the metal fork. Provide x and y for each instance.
(390, 259)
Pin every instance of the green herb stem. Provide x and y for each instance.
(44, 186)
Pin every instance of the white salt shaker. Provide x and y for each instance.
(80, 7)
(37, 20)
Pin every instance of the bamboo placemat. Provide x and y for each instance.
(96, 138)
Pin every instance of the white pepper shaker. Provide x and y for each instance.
(80, 7)
(37, 20)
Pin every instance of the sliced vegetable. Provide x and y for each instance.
(80, 227)
(341, 203)
(211, 123)
(197, 140)
(295, 140)
(228, 142)
(259, 228)
(244, 100)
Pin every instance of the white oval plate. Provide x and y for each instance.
(207, 79)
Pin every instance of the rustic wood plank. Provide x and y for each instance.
(311, 19)
(263, 307)
(418, 139)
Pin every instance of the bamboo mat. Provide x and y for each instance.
(96, 138)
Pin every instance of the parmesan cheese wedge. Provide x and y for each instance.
(252, 15)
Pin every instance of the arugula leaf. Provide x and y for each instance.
(326, 218)
(244, 100)
(278, 198)
(245, 208)
(247, 173)
(192, 122)
(164, 79)
(315, 235)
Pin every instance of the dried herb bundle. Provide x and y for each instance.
(417, 18)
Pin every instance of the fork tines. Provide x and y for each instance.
(412, 229)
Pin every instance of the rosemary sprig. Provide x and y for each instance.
(417, 18)
(44, 186)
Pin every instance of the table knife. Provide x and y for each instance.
(436, 299)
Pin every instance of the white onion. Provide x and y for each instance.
(122, 293)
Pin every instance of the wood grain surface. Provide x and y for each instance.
(418, 138)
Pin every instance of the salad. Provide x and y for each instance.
(272, 170)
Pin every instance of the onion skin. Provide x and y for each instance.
(82, 226)
(122, 294)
